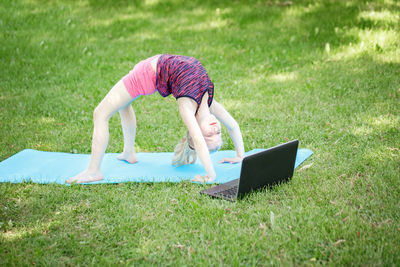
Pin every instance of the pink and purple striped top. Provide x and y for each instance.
(183, 76)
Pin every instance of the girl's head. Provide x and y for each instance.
(211, 129)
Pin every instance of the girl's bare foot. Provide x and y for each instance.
(128, 157)
(86, 177)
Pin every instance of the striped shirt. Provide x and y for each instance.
(183, 77)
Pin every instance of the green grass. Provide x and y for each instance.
(325, 72)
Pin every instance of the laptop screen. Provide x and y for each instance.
(267, 168)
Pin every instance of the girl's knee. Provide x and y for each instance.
(99, 114)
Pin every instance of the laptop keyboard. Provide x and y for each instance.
(228, 192)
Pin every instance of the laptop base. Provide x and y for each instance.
(227, 191)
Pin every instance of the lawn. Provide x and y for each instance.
(325, 72)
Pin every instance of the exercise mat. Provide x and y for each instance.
(55, 167)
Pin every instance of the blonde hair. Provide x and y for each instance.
(184, 153)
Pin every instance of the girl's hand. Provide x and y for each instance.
(203, 178)
(234, 160)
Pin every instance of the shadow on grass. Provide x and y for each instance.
(63, 220)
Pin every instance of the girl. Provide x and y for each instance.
(187, 80)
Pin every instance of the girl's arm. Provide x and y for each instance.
(233, 128)
(187, 111)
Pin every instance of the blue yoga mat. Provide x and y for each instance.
(55, 167)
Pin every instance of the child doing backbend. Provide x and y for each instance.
(187, 80)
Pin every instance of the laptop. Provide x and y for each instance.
(264, 169)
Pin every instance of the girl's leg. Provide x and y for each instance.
(128, 122)
(118, 98)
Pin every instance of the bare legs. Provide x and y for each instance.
(128, 122)
(118, 99)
